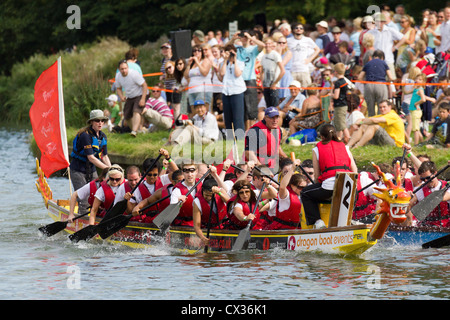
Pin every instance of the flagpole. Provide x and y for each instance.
(62, 121)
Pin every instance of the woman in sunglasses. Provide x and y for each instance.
(88, 144)
(105, 195)
(240, 208)
(199, 73)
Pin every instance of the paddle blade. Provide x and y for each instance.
(437, 243)
(165, 218)
(53, 228)
(242, 239)
(84, 234)
(423, 208)
(110, 227)
(118, 209)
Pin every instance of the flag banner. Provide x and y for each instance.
(48, 120)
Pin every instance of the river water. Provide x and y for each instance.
(36, 267)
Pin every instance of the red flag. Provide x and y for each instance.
(48, 121)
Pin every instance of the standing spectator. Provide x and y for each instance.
(418, 97)
(408, 88)
(286, 55)
(272, 72)
(131, 83)
(173, 97)
(384, 40)
(431, 33)
(251, 47)
(285, 29)
(217, 84)
(180, 86)
(332, 47)
(444, 32)
(131, 57)
(409, 32)
(198, 38)
(375, 70)
(198, 72)
(339, 94)
(113, 111)
(166, 51)
(367, 24)
(322, 40)
(354, 38)
(234, 87)
(367, 43)
(304, 51)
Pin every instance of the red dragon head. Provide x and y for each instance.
(394, 198)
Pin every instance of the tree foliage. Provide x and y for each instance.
(29, 27)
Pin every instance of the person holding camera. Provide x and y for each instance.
(202, 129)
(230, 74)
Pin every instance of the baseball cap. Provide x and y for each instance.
(271, 112)
(199, 102)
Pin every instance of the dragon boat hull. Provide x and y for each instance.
(414, 236)
(352, 240)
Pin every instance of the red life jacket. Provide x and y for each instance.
(365, 205)
(267, 154)
(217, 217)
(333, 158)
(440, 216)
(234, 223)
(290, 218)
(93, 187)
(149, 216)
(109, 199)
(184, 218)
(145, 193)
(408, 185)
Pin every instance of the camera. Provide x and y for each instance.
(181, 123)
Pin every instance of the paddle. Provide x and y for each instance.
(423, 208)
(211, 211)
(113, 211)
(368, 186)
(244, 235)
(437, 243)
(165, 218)
(117, 223)
(301, 168)
(120, 207)
(55, 227)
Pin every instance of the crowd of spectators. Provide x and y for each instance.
(385, 58)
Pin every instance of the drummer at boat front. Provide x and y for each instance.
(89, 152)
(330, 156)
(105, 195)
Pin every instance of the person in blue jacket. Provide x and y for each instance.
(89, 152)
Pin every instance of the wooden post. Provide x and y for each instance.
(343, 199)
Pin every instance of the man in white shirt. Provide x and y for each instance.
(444, 32)
(202, 130)
(131, 83)
(384, 40)
(304, 50)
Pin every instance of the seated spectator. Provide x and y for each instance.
(386, 128)
(309, 116)
(441, 129)
(203, 128)
(292, 105)
(158, 115)
(354, 113)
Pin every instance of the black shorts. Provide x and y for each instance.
(131, 106)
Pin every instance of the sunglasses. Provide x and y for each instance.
(191, 170)
(156, 91)
(197, 50)
(425, 178)
(279, 42)
(180, 64)
(99, 120)
(115, 179)
(152, 175)
(244, 192)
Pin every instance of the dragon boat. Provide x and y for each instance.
(339, 236)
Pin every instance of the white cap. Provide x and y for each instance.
(112, 97)
(323, 24)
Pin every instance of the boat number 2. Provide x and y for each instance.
(348, 186)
